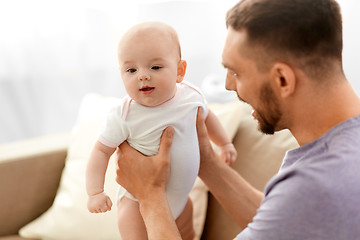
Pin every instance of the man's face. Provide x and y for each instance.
(252, 86)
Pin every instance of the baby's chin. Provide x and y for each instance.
(149, 97)
(150, 102)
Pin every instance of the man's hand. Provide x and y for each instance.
(207, 153)
(145, 178)
(141, 175)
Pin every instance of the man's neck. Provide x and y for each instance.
(322, 110)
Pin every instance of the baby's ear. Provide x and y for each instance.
(181, 70)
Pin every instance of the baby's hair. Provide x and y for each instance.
(161, 27)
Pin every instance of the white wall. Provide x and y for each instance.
(53, 52)
(351, 33)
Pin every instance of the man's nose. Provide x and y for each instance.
(229, 84)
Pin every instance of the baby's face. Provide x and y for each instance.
(149, 67)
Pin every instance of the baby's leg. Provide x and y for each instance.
(185, 222)
(130, 222)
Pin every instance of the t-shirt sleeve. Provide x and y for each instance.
(114, 130)
(203, 104)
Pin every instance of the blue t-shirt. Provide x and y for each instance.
(316, 194)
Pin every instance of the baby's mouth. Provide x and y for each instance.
(146, 89)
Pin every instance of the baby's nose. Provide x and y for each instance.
(143, 76)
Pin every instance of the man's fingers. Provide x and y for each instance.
(201, 128)
(166, 141)
(207, 154)
(164, 148)
(125, 149)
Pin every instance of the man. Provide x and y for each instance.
(284, 58)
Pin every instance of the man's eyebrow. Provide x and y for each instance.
(226, 66)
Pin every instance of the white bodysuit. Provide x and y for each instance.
(142, 127)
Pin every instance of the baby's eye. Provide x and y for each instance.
(131, 70)
(155, 67)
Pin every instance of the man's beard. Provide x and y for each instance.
(270, 114)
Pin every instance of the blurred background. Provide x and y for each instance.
(54, 52)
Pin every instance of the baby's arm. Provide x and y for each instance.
(98, 201)
(218, 135)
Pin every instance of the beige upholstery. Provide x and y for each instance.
(30, 172)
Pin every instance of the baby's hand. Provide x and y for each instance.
(99, 203)
(228, 153)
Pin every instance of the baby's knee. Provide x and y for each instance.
(185, 222)
(130, 222)
(127, 209)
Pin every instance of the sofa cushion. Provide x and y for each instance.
(69, 218)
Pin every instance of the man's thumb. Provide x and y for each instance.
(166, 141)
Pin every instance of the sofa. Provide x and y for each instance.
(42, 194)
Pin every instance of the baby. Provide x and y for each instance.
(152, 71)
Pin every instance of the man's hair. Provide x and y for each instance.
(308, 33)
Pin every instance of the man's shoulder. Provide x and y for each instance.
(344, 139)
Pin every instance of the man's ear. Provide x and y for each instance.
(181, 70)
(284, 79)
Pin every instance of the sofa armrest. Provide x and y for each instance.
(30, 172)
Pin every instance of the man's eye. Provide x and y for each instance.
(131, 70)
(234, 74)
(155, 67)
